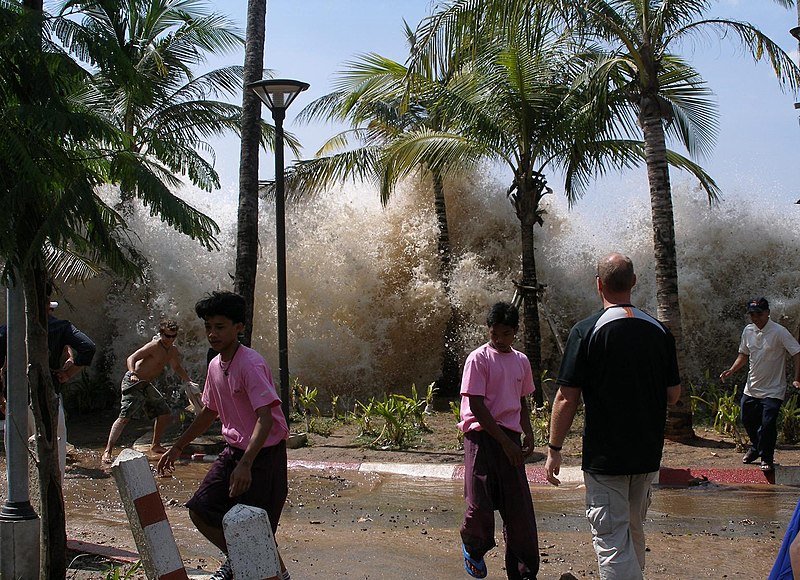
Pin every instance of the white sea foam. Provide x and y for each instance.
(366, 308)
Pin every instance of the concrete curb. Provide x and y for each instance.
(668, 476)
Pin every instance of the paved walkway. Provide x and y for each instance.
(671, 476)
(668, 476)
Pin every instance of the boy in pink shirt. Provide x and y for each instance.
(239, 390)
(494, 415)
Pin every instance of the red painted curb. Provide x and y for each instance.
(117, 554)
(688, 476)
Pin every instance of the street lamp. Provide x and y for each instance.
(278, 94)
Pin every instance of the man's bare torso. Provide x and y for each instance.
(151, 359)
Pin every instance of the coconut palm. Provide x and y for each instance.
(143, 55)
(383, 104)
(533, 112)
(645, 88)
(54, 152)
(247, 221)
(661, 96)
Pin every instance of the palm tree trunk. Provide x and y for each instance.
(679, 416)
(247, 247)
(532, 337)
(448, 384)
(44, 403)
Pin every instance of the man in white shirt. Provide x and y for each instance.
(764, 345)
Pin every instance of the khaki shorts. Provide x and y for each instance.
(141, 396)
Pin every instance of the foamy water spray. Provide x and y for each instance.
(366, 309)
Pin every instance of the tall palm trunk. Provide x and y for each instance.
(448, 383)
(247, 247)
(531, 187)
(532, 336)
(44, 403)
(679, 416)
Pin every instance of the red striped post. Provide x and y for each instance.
(147, 518)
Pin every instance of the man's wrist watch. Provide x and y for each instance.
(554, 447)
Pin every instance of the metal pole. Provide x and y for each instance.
(278, 115)
(17, 505)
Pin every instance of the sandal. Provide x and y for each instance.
(767, 467)
(475, 568)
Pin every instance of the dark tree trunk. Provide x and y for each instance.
(247, 246)
(679, 416)
(44, 403)
(531, 187)
(449, 382)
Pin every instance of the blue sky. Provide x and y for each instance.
(759, 138)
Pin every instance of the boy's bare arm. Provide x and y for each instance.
(525, 423)
(241, 478)
(488, 424)
(199, 426)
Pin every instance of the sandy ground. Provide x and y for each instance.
(342, 524)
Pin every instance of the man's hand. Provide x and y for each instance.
(553, 466)
(796, 384)
(240, 478)
(67, 371)
(725, 374)
(166, 464)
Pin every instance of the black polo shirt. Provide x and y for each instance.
(623, 360)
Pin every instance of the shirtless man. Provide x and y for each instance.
(138, 393)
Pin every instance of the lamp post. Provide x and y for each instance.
(278, 94)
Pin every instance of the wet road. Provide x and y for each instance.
(351, 525)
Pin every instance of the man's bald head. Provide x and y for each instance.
(616, 273)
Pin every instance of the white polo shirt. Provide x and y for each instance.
(766, 349)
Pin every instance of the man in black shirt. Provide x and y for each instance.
(623, 362)
(63, 339)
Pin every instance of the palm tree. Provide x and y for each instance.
(247, 222)
(532, 112)
(659, 95)
(384, 104)
(640, 85)
(54, 152)
(142, 56)
(46, 175)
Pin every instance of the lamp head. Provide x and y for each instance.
(278, 94)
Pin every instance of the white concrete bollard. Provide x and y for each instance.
(148, 520)
(251, 545)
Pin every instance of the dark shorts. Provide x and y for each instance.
(267, 491)
(141, 396)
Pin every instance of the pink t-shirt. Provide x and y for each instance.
(502, 379)
(235, 397)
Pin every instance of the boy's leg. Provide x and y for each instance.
(519, 521)
(212, 533)
(477, 530)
